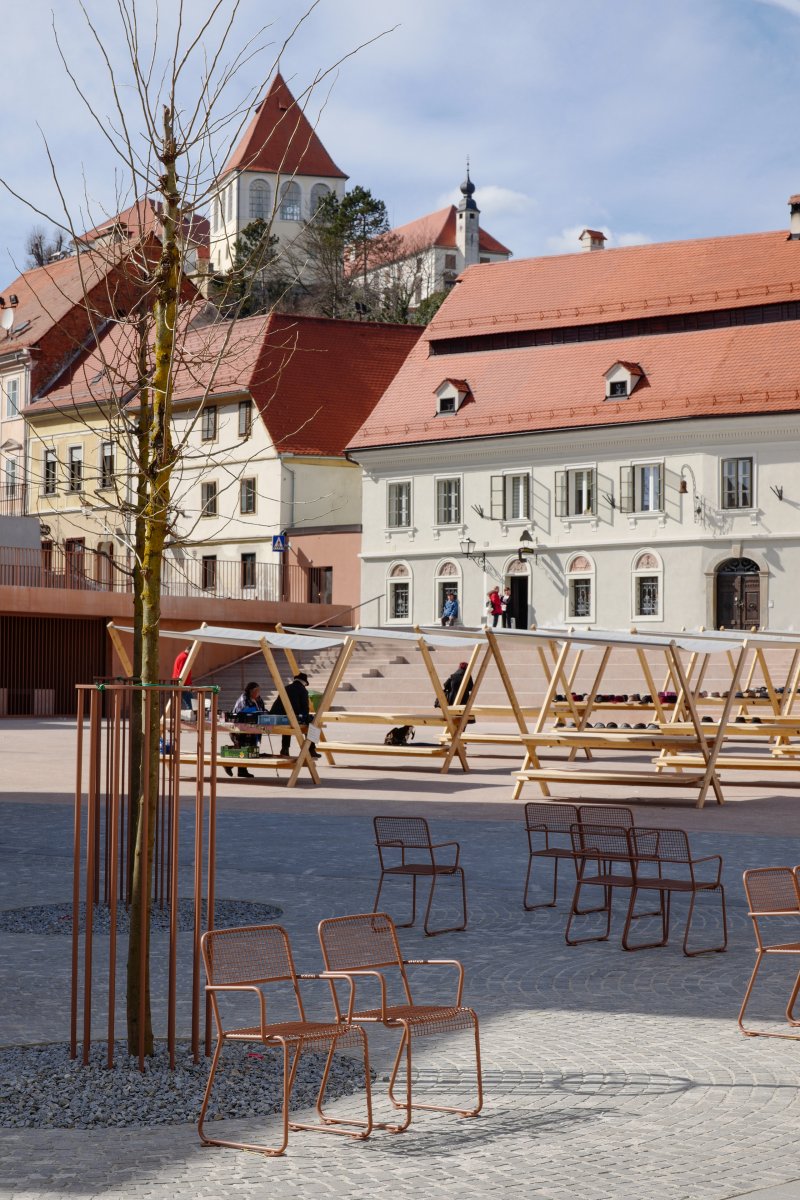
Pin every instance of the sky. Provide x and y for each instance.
(652, 120)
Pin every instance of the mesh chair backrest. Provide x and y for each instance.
(350, 943)
(601, 841)
(772, 889)
(606, 814)
(253, 954)
(670, 845)
(554, 818)
(402, 831)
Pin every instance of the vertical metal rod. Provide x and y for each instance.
(96, 744)
(144, 819)
(212, 848)
(198, 874)
(175, 802)
(115, 742)
(91, 875)
(76, 876)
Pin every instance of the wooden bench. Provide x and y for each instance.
(581, 775)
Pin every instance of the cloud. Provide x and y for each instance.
(567, 242)
(790, 6)
(493, 200)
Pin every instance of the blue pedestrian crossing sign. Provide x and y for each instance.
(279, 542)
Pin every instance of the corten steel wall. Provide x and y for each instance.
(42, 659)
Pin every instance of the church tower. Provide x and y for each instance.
(468, 224)
(279, 171)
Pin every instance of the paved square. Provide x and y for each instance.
(608, 1075)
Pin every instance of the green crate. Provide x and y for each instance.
(238, 752)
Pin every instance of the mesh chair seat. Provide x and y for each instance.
(431, 1018)
(421, 869)
(299, 1031)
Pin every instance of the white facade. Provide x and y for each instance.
(631, 525)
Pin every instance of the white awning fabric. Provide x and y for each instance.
(444, 639)
(249, 637)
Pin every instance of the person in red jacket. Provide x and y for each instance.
(494, 606)
(177, 668)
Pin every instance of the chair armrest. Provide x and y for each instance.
(446, 846)
(351, 977)
(242, 987)
(440, 962)
(717, 858)
(325, 977)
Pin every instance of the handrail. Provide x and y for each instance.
(351, 609)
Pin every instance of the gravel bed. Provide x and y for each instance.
(57, 918)
(41, 1088)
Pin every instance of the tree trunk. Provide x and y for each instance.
(157, 469)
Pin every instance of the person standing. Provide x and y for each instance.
(450, 610)
(505, 600)
(494, 606)
(297, 695)
(177, 668)
(249, 702)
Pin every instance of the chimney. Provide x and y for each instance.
(592, 239)
(794, 218)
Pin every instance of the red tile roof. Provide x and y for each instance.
(47, 294)
(439, 229)
(633, 281)
(744, 370)
(314, 380)
(144, 218)
(281, 139)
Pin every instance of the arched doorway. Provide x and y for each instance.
(517, 578)
(738, 594)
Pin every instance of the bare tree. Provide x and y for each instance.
(42, 247)
(169, 126)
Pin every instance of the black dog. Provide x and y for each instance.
(401, 735)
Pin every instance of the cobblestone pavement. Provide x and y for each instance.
(608, 1075)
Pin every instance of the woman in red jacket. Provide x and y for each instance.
(494, 606)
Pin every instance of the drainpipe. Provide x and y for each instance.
(288, 525)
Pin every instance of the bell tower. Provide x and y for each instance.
(468, 224)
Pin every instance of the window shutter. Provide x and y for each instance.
(526, 496)
(593, 493)
(626, 489)
(497, 507)
(561, 494)
(660, 478)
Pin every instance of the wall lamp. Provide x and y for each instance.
(683, 490)
(528, 545)
(467, 547)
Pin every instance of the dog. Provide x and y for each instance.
(401, 735)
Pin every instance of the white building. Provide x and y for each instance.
(629, 419)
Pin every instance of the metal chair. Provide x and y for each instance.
(242, 960)
(411, 838)
(552, 822)
(773, 893)
(358, 948)
(603, 857)
(663, 863)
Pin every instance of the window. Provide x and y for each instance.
(259, 200)
(75, 474)
(641, 488)
(208, 499)
(11, 389)
(447, 580)
(448, 501)
(320, 585)
(208, 566)
(104, 564)
(290, 202)
(318, 193)
(580, 588)
(247, 496)
(50, 472)
(510, 497)
(618, 387)
(447, 404)
(10, 476)
(647, 577)
(248, 570)
(107, 465)
(209, 424)
(737, 483)
(450, 262)
(576, 492)
(399, 593)
(245, 418)
(399, 505)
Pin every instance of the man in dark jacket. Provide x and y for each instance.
(453, 683)
(297, 695)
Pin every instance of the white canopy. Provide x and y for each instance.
(445, 639)
(697, 643)
(249, 637)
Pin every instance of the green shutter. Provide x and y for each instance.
(626, 489)
(497, 508)
(561, 494)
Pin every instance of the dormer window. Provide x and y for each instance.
(621, 379)
(450, 395)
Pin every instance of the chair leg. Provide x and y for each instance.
(360, 1130)
(269, 1151)
(576, 911)
(707, 949)
(413, 921)
(448, 1108)
(405, 1045)
(793, 1037)
(378, 893)
(664, 909)
(453, 928)
(546, 903)
(790, 1017)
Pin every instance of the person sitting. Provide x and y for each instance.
(450, 610)
(249, 702)
(452, 684)
(297, 695)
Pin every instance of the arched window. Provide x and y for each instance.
(648, 576)
(318, 193)
(259, 200)
(398, 593)
(290, 202)
(447, 583)
(580, 588)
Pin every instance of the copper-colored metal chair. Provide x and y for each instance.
(242, 960)
(773, 894)
(410, 838)
(548, 829)
(603, 857)
(663, 863)
(365, 947)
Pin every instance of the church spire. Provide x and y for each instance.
(468, 219)
(467, 193)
